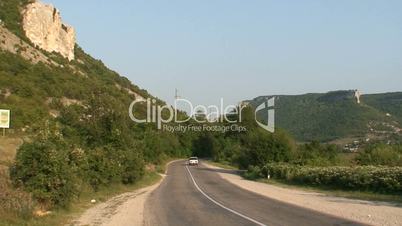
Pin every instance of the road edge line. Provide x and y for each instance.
(221, 205)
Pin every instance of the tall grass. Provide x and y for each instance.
(14, 203)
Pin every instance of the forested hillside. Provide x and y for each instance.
(73, 118)
(336, 115)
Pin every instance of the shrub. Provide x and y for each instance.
(133, 167)
(253, 173)
(363, 178)
(260, 148)
(102, 167)
(381, 154)
(43, 168)
(108, 165)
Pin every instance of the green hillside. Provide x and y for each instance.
(71, 134)
(334, 115)
(388, 102)
(73, 118)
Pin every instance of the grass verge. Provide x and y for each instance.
(222, 165)
(78, 206)
(161, 168)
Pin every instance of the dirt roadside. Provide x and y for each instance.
(124, 210)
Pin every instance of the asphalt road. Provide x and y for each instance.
(191, 196)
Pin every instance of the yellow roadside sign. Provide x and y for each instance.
(4, 119)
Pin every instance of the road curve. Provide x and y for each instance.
(199, 196)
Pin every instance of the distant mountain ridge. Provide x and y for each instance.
(337, 115)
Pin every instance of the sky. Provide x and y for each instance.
(238, 49)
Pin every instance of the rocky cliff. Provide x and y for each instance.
(44, 27)
(12, 43)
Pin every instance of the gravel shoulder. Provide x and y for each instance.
(125, 209)
(367, 212)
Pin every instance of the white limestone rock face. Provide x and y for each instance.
(44, 28)
(358, 94)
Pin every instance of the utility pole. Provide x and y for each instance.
(176, 95)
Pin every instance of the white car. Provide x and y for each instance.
(193, 161)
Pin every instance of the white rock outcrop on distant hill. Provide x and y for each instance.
(358, 94)
(43, 26)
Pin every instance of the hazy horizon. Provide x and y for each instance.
(229, 49)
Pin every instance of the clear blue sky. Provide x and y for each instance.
(239, 49)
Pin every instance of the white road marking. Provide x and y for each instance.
(220, 205)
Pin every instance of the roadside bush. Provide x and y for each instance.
(43, 168)
(133, 167)
(259, 148)
(108, 165)
(362, 178)
(102, 167)
(381, 154)
(253, 173)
